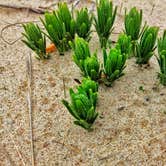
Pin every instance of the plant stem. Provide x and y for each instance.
(133, 48)
(103, 42)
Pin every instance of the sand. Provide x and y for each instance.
(131, 128)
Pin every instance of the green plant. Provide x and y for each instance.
(92, 67)
(145, 48)
(66, 17)
(83, 23)
(35, 40)
(81, 52)
(162, 42)
(56, 31)
(162, 63)
(88, 84)
(114, 64)
(133, 22)
(60, 27)
(104, 20)
(88, 64)
(89, 87)
(82, 108)
(162, 58)
(124, 44)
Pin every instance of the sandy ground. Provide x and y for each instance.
(131, 128)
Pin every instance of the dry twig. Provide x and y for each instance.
(34, 10)
(29, 71)
(10, 25)
(64, 87)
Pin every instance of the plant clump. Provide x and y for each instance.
(92, 67)
(83, 23)
(124, 44)
(133, 22)
(104, 20)
(162, 58)
(114, 64)
(35, 40)
(83, 104)
(88, 64)
(60, 27)
(81, 52)
(68, 31)
(146, 46)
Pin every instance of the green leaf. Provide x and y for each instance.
(72, 112)
(90, 114)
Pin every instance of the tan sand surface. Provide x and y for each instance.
(131, 128)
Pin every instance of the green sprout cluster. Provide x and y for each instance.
(83, 23)
(143, 38)
(162, 58)
(133, 22)
(88, 63)
(124, 44)
(72, 30)
(114, 64)
(35, 40)
(60, 27)
(104, 20)
(146, 46)
(83, 103)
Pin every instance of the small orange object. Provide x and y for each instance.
(51, 48)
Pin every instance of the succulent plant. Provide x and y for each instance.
(60, 27)
(114, 64)
(146, 46)
(82, 108)
(35, 40)
(56, 31)
(124, 44)
(133, 22)
(89, 87)
(83, 23)
(162, 64)
(88, 84)
(81, 52)
(92, 67)
(104, 20)
(162, 58)
(88, 64)
(66, 17)
(162, 42)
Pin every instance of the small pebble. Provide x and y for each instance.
(162, 94)
(147, 98)
(121, 108)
